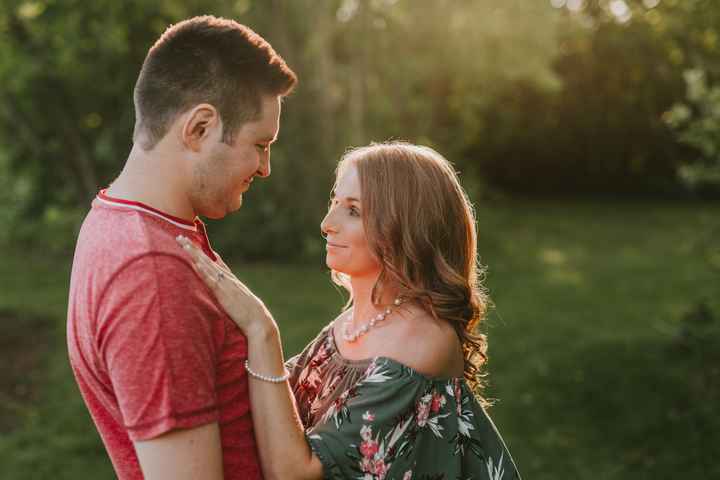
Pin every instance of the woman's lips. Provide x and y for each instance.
(334, 245)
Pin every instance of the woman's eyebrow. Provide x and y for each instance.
(347, 199)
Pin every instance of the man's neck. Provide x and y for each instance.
(148, 178)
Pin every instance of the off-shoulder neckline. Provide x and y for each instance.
(368, 361)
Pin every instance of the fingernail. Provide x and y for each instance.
(186, 246)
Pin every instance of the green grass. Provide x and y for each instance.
(587, 297)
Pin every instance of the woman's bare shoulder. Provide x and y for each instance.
(427, 345)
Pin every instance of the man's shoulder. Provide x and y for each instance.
(116, 237)
(125, 253)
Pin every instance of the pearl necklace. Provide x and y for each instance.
(351, 337)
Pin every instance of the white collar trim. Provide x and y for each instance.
(141, 209)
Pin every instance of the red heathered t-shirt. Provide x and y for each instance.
(151, 349)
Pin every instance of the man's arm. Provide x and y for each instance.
(156, 339)
(187, 454)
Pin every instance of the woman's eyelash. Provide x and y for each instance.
(353, 209)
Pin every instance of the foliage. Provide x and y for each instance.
(619, 64)
(369, 70)
(696, 347)
(519, 95)
(697, 122)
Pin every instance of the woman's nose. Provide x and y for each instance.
(328, 225)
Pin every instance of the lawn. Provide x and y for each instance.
(595, 374)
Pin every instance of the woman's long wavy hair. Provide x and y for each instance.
(420, 225)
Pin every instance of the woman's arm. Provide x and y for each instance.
(284, 452)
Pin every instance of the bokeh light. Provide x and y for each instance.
(620, 10)
(575, 5)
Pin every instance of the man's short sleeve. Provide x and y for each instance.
(158, 335)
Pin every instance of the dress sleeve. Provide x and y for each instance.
(398, 424)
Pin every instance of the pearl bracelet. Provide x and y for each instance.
(267, 378)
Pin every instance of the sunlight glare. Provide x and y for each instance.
(347, 10)
(575, 5)
(620, 10)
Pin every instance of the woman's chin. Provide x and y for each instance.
(334, 265)
(331, 264)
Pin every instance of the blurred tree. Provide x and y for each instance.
(602, 132)
(531, 97)
(369, 70)
(66, 74)
(697, 122)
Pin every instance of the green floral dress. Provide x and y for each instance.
(379, 419)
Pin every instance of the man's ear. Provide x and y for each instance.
(198, 124)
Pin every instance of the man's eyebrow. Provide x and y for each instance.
(268, 139)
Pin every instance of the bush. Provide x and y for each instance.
(696, 122)
(601, 133)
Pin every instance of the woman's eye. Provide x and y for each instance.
(354, 212)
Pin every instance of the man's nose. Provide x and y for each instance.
(264, 167)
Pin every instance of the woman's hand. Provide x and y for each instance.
(246, 310)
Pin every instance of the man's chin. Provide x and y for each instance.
(238, 203)
(215, 215)
(224, 210)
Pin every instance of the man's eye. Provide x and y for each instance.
(263, 148)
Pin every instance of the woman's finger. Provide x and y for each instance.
(213, 273)
(196, 254)
(222, 263)
(187, 245)
(200, 256)
(204, 273)
(201, 259)
(209, 274)
(199, 262)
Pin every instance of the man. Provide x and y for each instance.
(158, 362)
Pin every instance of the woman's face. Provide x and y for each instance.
(347, 247)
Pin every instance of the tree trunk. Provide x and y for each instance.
(324, 86)
(358, 93)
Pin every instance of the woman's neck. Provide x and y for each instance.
(363, 307)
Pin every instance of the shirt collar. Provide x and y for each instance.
(196, 225)
(103, 197)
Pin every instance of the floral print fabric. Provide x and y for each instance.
(391, 422)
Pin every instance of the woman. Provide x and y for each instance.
(385, 390)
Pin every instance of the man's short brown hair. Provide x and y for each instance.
(207, 60)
